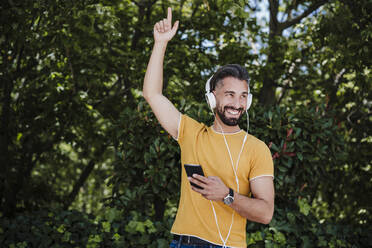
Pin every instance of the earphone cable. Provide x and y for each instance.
(224, 241)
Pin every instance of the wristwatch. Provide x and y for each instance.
(229, 198)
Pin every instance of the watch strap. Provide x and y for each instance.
(231, 192)
(229, 198)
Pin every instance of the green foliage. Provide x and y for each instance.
(304, 158)
(146, 159)
(46, 229)
(146, 187)
(301, 153)
(74, 134)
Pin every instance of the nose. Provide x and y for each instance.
(238, 103)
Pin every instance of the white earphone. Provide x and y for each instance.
(211, 99)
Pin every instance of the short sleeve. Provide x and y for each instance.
(187, 129)
(262, 162)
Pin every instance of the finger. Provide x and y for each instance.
(197, 182)
(169, 17)
(200, 178)
(166, 24)
(175, 27)
(157, 27)
(197, 190)
(161, 25)
(192, 180)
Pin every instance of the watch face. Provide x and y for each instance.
(228, 200)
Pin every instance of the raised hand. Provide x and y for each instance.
(163, 30)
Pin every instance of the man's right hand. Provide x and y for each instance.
(163, 30)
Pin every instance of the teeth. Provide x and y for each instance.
(233, 112)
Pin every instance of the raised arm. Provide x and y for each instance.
(164, 110)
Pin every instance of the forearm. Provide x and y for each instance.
(167, 115)
(153, 82)
(257, 210)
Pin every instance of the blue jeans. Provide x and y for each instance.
(178, 244)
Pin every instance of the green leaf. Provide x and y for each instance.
(304, 206)
(275, 147)
(299, 155)
(106, 226)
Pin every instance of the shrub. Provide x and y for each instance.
(307, 148)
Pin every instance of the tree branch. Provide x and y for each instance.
(80, 182)
(310, 9)
(8, 198)
(83, 177)
(288, 11)
(273, 7)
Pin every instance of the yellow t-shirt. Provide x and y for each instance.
(202, 145)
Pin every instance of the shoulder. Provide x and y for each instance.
(189, 126)
(260, 160)
(256, 141)
(190, 123)
(189, 120)
(257, 145)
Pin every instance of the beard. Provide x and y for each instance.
(232, 121)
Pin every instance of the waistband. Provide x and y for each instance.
(190, 240)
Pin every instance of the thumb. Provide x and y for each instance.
(175, 27)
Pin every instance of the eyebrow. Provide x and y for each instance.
(233, 92)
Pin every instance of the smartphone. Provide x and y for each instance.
(194, 169)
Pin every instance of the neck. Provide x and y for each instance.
(219, 126)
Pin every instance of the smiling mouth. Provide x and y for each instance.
(233, 111)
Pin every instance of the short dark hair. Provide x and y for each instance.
(230, 70)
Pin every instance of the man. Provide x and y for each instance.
(235, 163)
